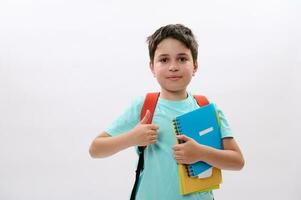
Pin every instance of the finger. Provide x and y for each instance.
(176, 147)
(178, 153)
(153, 137)
(153, 133)
(183, 138)
(176, 150)
(146, 117)
(153, 141)
(177, 158)
(154, 127)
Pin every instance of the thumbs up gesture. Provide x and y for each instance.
(144, 134)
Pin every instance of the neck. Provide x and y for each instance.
(173, 95)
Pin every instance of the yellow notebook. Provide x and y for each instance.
(194, 184)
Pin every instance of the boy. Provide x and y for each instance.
(173, 62)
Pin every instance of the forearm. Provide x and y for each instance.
(106, 146)
(223, 159)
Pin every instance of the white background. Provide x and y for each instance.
(68, 68)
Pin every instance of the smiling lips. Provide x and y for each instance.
(174, 78)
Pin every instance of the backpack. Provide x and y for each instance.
(150, 103)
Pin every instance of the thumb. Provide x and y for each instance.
(183, 138)
(146, 117)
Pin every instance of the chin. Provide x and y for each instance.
(175, 90)
(173, 87)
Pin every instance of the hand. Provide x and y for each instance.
(144, 134)
(188, 152)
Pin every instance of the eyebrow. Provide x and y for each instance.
(180, 54)
(163, 55)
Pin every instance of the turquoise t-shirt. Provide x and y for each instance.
(160, 179)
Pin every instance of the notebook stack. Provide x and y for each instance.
(202, 125)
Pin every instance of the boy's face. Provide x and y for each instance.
(173, 65)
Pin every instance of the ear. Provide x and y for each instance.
(195, 68)
(151, 66)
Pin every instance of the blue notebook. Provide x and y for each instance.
(202, 125)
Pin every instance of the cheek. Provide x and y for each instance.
(189, 71)
(159, 71)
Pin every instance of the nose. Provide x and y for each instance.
(173, 67)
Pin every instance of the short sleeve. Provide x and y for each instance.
(127, 120)
(225, 128)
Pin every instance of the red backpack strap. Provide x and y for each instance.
(201, 100)
(150, 103)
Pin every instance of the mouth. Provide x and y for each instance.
(174, 78)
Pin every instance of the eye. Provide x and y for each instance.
(183, 59)
(163, 60)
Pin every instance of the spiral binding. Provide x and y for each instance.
(178, 131)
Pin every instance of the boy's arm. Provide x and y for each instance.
(229, 158)
(104, 145)
(142, 135)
